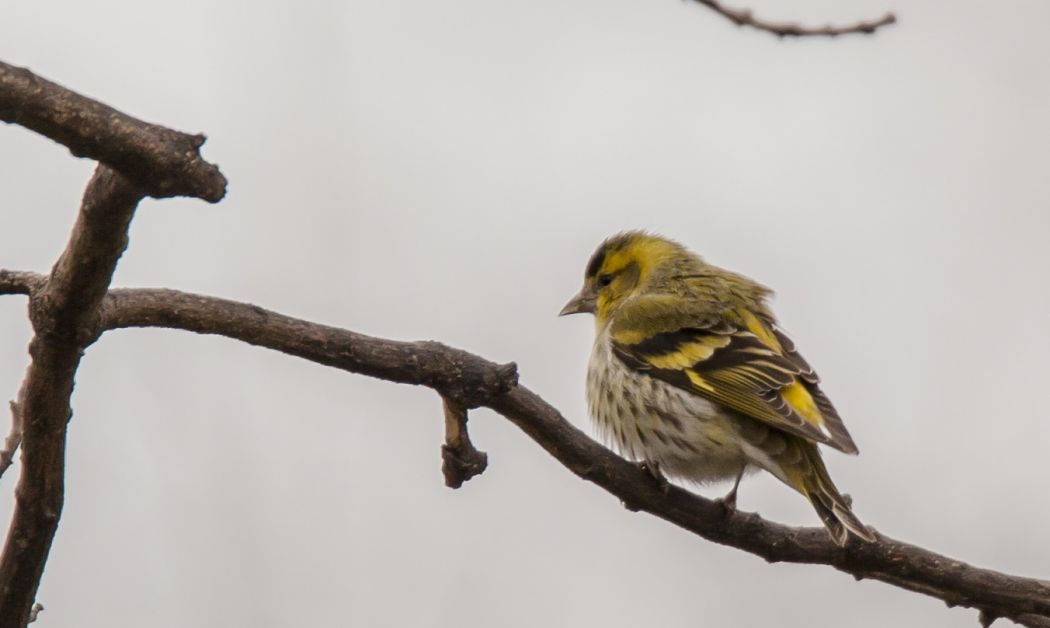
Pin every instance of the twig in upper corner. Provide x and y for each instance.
(460, 460)
(744, 17)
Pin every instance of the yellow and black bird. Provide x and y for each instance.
(691, 375)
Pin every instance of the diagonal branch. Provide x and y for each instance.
(469, 379)
(744, 17)
(64, 311)
(164, 162)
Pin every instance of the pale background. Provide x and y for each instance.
(442, 170)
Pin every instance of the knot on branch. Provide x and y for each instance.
(49, 329)
(460, 460)
(465, 379)
(492, 383)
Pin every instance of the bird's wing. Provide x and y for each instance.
(742, 362)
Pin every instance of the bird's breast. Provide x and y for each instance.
(648, 419)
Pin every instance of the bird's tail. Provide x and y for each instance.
(813, 481)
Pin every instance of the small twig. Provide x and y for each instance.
(34, 612)
(461, 461)
(19, 282)
(744, 17)
(13, 440)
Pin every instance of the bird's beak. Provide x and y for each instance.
(583, 302)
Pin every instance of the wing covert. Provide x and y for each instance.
(752, 368)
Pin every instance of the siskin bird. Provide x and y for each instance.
(691, 375)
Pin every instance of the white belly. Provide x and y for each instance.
(649, 419)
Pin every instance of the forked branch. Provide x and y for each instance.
(137, 159)
(64, 311)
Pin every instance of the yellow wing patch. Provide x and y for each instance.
(795, 394)
(699, 381)
(753, 369)
(758, 328)
(803, 404)
(689, 353)
(629, 336)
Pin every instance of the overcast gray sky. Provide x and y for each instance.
(442, 170)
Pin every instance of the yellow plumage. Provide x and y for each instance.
(691, 374)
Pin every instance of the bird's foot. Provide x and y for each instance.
(728, 502)
(653, 469)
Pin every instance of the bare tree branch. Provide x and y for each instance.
(744, 17)
(64, 312)
(470, 380)
(164, 162)
(458, 375)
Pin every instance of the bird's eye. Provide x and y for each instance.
(604, 280)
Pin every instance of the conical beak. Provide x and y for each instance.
(582, 302)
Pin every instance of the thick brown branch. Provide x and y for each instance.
(459, 374)
(164, 162)
(65, 315)
(744, 17)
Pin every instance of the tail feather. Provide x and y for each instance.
(837, 517)
(832, 508)
(827, 514)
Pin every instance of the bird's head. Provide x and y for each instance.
(621, 267)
